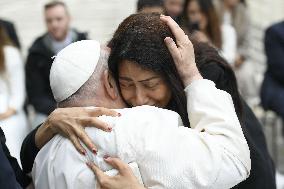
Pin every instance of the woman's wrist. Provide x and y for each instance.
(191, 76)
(44, 134)
(10, 111)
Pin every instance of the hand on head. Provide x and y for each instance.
(70, 122)
(182, 52)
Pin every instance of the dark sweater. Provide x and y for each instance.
(11, 175)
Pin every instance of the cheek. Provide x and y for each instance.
(161, 96)
(203, 21)
(127, 95)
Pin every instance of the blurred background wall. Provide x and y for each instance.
(101, 17)
(97, 17)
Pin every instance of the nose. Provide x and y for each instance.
(141, 98)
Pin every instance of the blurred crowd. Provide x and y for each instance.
(224, 24)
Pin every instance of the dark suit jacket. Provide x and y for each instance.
(272, 90)
(11, 175)
(11, 31)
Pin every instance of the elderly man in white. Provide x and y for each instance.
(211, 154)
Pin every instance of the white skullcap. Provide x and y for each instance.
(72, 67)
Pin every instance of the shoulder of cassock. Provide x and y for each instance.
(54, 160)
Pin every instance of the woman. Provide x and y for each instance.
(235, 13)
(12, 95)
(201, 20)
(128, 68)
(136, 64)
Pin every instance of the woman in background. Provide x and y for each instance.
(12, 95)
(200, 19)
(235, 13)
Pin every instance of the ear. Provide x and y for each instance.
(110, 85)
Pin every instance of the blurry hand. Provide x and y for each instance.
(125, 179)
(182, 52)
(70, 123)
(239, 62)
(7, 114)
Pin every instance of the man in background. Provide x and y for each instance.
(173, 8)
(272, 91)
(59, 34)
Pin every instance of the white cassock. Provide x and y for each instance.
(212, 154)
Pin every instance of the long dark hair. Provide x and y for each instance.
(140, 38)
(4, 40)
(213, 28)
(215, 68)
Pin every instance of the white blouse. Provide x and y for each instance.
(229, 43)
(12, 81)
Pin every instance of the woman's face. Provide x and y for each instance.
(142, 87)
(195, 15)
(232, 3)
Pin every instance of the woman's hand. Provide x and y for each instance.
(125, 179)
(239, 61)
(7, 114)
(182, 52)
(70, 123)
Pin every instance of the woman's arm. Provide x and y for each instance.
(68, 122)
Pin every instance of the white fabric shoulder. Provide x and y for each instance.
(59, 165)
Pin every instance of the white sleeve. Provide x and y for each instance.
(212, 111)
(213, 154)
(229, 43)
(15, 71)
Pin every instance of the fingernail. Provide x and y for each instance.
(106, 157)
(94, 151)
(162, 15)
(109, 129)
(119, 114)
(169, 38)
(83, 152)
